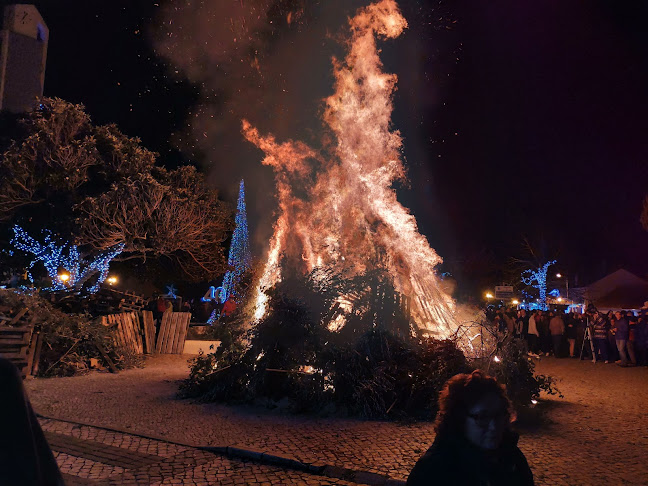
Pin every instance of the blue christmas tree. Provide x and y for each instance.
(239, 259)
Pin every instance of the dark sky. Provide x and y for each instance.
(520, 119)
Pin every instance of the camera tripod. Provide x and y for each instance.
(588, 337)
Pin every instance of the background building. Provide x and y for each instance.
(23, 54)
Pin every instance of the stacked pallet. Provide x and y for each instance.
(173, 332)
(121, 301)
(134, 331)
(18, 341)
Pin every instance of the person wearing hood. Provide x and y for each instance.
(475, 444)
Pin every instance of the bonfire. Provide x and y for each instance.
(337, 203)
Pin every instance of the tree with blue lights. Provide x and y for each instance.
(240, 259)
(56, 256)
(538, 279)
(95, 186)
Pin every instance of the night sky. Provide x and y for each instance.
(520, 119)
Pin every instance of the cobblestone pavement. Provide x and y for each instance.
(597, 434)
(89, 456)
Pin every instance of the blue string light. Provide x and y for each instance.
(215, 315)
(55, 255)
(239, 259)
(538, 279)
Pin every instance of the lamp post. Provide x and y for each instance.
(559, 275)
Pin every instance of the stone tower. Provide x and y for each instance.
(23, 54)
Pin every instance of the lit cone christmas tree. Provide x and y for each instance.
(239, 259)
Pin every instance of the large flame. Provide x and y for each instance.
(341, 209)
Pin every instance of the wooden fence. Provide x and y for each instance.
(135, 331)
(173, 332)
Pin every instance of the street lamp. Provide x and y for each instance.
(489, 295)
(559, 275)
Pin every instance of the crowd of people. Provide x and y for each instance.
(614, 337)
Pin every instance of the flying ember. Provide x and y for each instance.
(337, 206)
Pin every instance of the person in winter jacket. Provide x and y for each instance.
(533, 334)
(600, 327)
(474, 444)
(621, 337)
(557, 329)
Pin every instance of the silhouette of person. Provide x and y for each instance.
(25, 456)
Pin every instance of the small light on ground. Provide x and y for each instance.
(496, 359)
(534, 402)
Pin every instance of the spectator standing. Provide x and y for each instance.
(641, 338)
(509, 318)
(600, 327)
(621, 337)
(632, 324)
(533, 335)
(614, 353)
(570, 333)
(542, 323)
(557, 329)
(499, 322)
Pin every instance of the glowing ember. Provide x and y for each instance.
(337, 206)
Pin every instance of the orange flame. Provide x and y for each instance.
(351, 217)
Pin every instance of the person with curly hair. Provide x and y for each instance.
(475, 444)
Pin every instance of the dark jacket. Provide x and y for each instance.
(600, 326)
(456, 462)
(25, 456)
(622, 329)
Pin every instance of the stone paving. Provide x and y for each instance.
(597, 434)
(106, 458)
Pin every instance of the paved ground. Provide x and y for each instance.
(91, 456)
(597, 433)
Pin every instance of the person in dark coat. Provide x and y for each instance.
(571, 332)
(641, 336)
(474, 444)
(25, 456)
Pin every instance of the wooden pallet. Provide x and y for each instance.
(18, 341)
(128, 332)
(134, 331)
(148, 328)
(173, 332)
